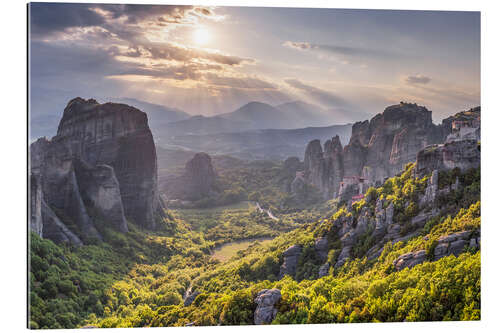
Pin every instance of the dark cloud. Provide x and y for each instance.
(323, 97)
(137, 13)
(417, 79)
(51, 18)
(46, 19)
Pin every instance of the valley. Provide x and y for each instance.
(382, 226)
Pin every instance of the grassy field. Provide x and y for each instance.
(236, 222)
(227, 251)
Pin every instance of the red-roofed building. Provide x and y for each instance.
(357, 198)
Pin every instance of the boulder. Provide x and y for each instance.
(440, 250)
(409, 260)
(266, 300)
(457, 246)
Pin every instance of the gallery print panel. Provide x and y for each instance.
(207, 165)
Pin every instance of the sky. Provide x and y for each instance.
(211, 60)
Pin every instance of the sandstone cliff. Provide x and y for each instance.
(99, 170)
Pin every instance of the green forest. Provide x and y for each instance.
(141, 278)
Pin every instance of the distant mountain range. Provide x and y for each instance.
(252, 116)
(277, 144)
(254, 131)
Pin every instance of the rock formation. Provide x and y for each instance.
(190, 297)
(464, 154)
(389, 141)
(324, 167)
(290, 261)
(321, 247)
(431, 190)
(99, 170)
(378, 148)
(197, 182)
(323, 270)
(266, 300)
(453, 244)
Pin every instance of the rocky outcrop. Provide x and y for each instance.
(455, 244)
(56, 230)
(378, 149)
(100, 191)
(99, 170)
(197, 182)
(464, 154)
(321, 247)
(291, 165)
(421, 219)
(390, 140)
(323, 270)
(191, 296)
(201, 173)
(409, 260)
(324, 168)
(431, 190)
(36, 221)
(266, 300)
(290, 261)
(452, 244)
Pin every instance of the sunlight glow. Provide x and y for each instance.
(201, 36)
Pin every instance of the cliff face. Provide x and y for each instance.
(324, 166)
(378, 148)
(390, 140)
(463, 154)
(99, 168)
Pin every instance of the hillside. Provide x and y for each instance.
(106, 251)
(363, 288)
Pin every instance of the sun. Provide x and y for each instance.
(201, 36)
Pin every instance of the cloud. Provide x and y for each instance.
(298, 45)
(340, 50)
(417, 79)
(242, 82)
(174, 52)
(323, 97)
(47, 19)
(127, 42)
(54, 18)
